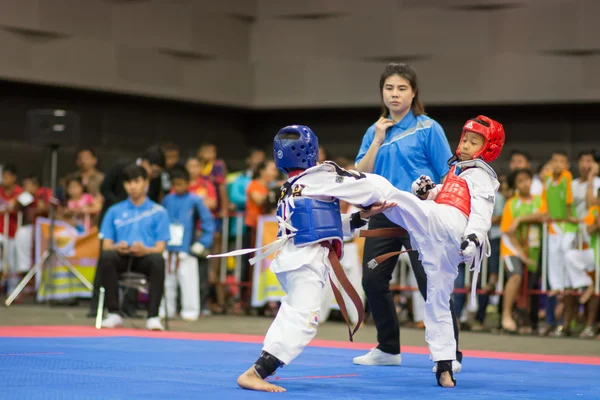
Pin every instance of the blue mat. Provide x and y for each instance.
(146, 368)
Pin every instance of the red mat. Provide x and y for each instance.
(89, 331)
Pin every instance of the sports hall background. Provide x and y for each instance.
(232, 72)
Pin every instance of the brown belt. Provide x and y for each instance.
(171, 253)
(338, 270)
(384, 232)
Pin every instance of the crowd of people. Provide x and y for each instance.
(162, 214)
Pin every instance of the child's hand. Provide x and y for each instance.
(528, 261)
(198, 249)
(514, 226)
(593, 172)
(376, 208)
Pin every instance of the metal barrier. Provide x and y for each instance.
(402, 286)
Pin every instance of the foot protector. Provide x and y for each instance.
(444, 366)
(266, 365)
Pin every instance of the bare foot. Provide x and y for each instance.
(249, 380)
(509, 324)
(446, 380)
(585, 296)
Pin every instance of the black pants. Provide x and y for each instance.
(204, 284)
(129, 302)
(111, 264)
(376, 284)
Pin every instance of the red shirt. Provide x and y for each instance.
(30, 212)
(12, 219)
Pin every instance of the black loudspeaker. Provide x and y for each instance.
(53, 127)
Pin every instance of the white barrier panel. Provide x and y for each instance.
(597, 258)
(224, 242)
(239, 232)
(545, 257)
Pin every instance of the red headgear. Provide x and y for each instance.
(493, 137)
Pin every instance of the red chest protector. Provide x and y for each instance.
(455, 193)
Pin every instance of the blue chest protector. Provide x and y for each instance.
(315, 220)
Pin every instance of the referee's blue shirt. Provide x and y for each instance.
(147, 223)
(413, 147)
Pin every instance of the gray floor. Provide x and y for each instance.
(27, 314)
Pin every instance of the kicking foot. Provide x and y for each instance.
(249, 380)
(446, 380)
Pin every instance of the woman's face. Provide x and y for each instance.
(397, 94)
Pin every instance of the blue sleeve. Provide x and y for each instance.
(237, 192)
(208, 224)
(107, 229)
(438, 150)
(162, 233)
(366, 143)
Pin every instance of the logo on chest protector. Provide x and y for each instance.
(313, 319)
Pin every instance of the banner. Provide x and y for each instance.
(81, 250)
(265, 285)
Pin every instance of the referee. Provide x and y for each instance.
(401, 146)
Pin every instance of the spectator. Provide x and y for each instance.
(215, 171)
(521, 160)
(135, 232)
(586, 186)
(201, 186)
(562, 231)
(400, 146)
(172, 160)
(9, 209)
(113, 191)
(82, 208)
(257, 192)
(35, 205)
(184, 253)
(90, 177)
(237, 189)
(582, 263)
(521, 241)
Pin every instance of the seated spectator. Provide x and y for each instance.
(183, 209)
(135, 233)
(113, 191)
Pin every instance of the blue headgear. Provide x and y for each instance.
(299, 153)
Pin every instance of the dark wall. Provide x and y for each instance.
(117, 126)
